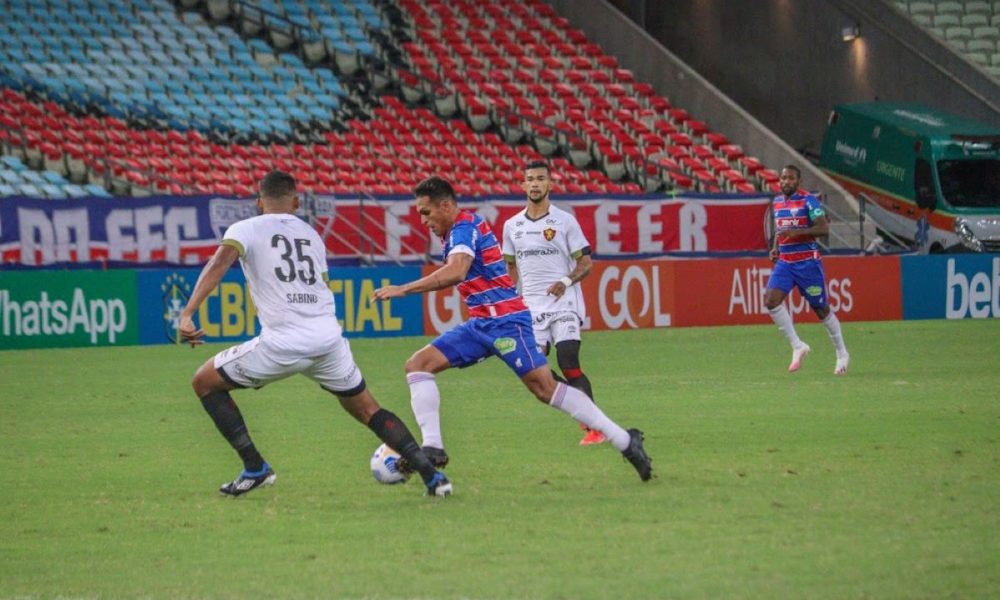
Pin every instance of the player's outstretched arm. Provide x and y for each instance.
(209, 279)
(581, 269)
(452, 273)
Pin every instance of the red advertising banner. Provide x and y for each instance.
(630, 295)
(703, 292)
(731, 291)
(615, 226)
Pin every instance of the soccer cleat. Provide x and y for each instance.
(798, 354)
(248, 481)
(438, 485)
(842, 361)
(636, 455)
(437, 456)
(593, 437)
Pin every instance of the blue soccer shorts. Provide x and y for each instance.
(807, 275)
(510, 338)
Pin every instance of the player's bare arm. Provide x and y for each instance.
(512, 271)
(820, 227)
(209, 279)
(581, 269)
(452, 273)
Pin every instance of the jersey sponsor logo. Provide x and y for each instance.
(243, 373)
(505, 345)
(786, 222)
(538, 252)
(549, 234)
(541, 317)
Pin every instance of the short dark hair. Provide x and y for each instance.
(794, 169)
(435, 188)
(538, 164)
(276, 185)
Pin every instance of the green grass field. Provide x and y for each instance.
(881, 484)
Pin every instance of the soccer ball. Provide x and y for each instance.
(384, 466)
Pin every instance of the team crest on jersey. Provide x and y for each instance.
(505, 345)
(549, 234)
(176, 291)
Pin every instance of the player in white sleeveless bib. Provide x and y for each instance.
(284, 261)
(547, 255)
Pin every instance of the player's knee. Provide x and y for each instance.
(821, 311)
(199, 385)
(413, 364)
(541, 384)
(772, 300)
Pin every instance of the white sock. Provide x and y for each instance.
(783, 320)
(832, 324)
(577, 405)
(425, 399)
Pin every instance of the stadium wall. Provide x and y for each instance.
(787, 64)
(46, 309)
(185, 230)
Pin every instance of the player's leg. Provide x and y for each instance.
(236, 367)
(513, 341)
(389, 428)
(337, 373)
(425, 399)
(543, 338)
(581, 408)
(566, 333)
(813, 288)
(459, 347)
(779, 284)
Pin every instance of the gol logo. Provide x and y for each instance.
(631, 295)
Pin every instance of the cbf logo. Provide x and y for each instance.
(175, 293)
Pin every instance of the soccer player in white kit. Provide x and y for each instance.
(284, 261)
(547, 254)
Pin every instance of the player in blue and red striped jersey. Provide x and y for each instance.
(499, 325)
(799, 219)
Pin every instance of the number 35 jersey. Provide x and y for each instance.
(284, 261)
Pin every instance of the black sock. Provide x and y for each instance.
(558, 377)
(229, 421)
(582, 383)
(394, 433)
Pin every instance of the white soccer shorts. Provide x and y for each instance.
(552, 328)
(254, 364)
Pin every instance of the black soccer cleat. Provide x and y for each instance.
(248, 481)
(438, 485)
(437, 456)
(636, 455)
